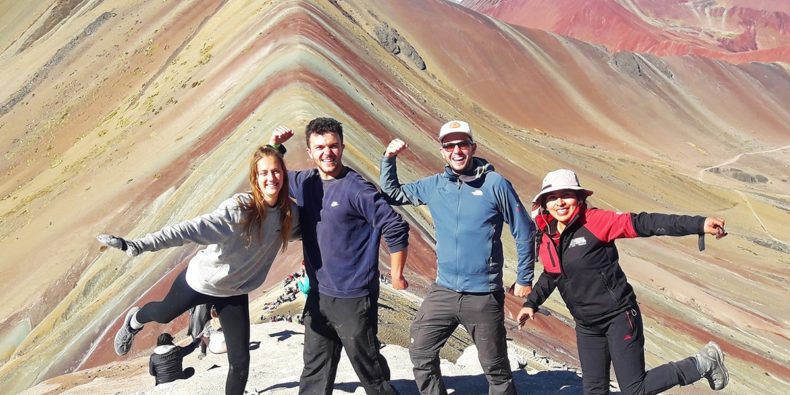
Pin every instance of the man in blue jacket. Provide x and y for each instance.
(343, 217)
(469, 202)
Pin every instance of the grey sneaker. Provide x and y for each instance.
(125, 335)
(710, 363)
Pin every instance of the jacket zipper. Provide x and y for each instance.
(628, 313)
(551, 256)
(560, 246)
(457, 215)
(606, 285)
(550, 247)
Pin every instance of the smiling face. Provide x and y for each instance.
(562, 204)
(270, 179)
(457, 150)
(326, 150)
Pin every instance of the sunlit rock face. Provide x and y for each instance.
(122, 117)
(738, 31)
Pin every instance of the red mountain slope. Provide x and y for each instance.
(738, 31)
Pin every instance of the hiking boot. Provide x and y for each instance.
(125, 335)
(710, 363)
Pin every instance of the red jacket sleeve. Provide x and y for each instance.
(608, 226)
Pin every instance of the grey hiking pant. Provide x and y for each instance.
(482, 315)
(620, 341)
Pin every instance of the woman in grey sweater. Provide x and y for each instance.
(243, 236)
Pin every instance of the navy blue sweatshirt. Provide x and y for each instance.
(342, 222)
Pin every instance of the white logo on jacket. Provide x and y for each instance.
(579, 241)
(334, 204)
(477, 192)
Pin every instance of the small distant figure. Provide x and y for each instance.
(165, 363)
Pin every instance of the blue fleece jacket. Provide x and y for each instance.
(342, 222)
(468, 213)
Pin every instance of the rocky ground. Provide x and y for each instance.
(396, 312)
(276, 354)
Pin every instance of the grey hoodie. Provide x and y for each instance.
(227, 266)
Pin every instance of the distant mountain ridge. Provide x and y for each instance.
(738, 31)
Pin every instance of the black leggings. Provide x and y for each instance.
(234, 315)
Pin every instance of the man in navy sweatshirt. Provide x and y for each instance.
(343, 217)
(469, 202)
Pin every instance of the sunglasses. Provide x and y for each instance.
(463, 144)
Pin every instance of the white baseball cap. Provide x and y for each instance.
(455, 127)
(558, 180)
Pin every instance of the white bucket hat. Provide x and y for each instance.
(558, 180)
(455, 127)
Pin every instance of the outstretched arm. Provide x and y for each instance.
(119, 243)
(206, 229)
(609, 226)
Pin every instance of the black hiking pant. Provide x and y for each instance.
(234, 315)
(621, 342)
(332, 324)
(483, 316)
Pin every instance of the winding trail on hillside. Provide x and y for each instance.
(736, 157)
(740, 193)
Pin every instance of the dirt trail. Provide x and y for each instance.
(736, 157)
(701, 174)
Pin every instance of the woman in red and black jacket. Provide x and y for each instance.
(576, 247)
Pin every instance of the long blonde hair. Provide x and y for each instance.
(258, 207)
